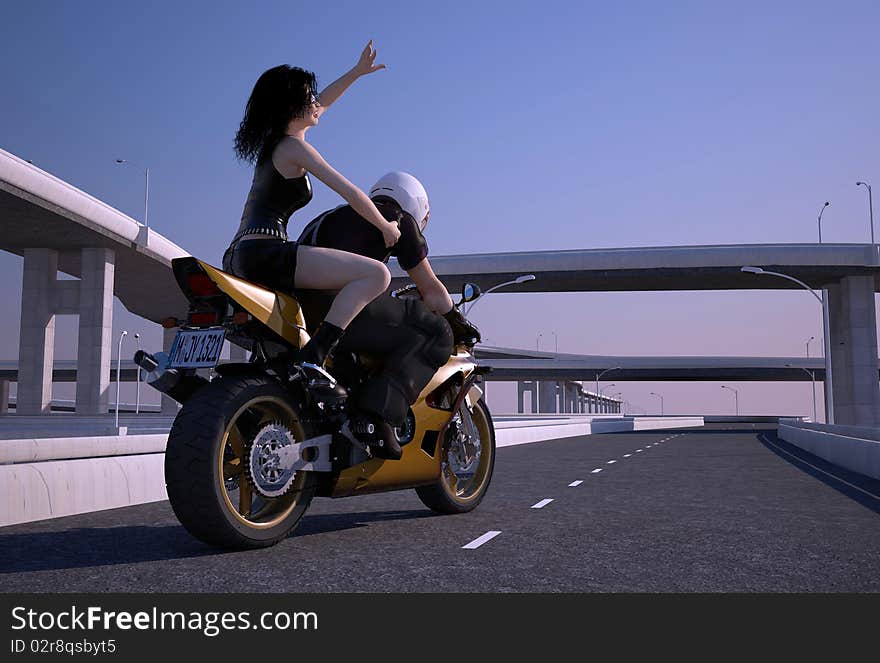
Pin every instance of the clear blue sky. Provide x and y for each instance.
(535, 126)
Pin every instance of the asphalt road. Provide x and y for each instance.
(726, 510)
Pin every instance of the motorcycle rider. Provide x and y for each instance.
(414, 337)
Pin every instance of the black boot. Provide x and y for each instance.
(386, 445)
(321, 345)
(376, 433)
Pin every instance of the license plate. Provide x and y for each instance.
(196, 348)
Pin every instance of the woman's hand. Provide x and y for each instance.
(366, 62)
(390, 233)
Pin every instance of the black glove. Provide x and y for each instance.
(462, 330)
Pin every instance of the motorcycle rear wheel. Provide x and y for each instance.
(206, 464)
(465, 475)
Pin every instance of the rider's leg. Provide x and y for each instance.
(413, 342)
(357, 279)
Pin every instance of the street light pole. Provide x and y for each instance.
(599, 375)
(537, 338)
(808, 345)
(870, 207)
(118, 374)
(555, 342)
(137, 402)
(826, 325)
(517, 280)
(735, 396)
(821, 211)
(146, 190)
(661, 402)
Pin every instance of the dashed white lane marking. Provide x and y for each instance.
(575, 483)
(596, 471)
(638, 450)
(627, 455)
(611, 462)
(861, 490)
(476, 543)
(542, 504)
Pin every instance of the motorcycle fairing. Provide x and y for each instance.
(416, 467)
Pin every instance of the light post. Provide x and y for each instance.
(821, 211)
(813, 378)
(870, 207)
(137, 402)
(661, 401)
(599, 375)
(735, 396)
(537, 338)
(607, 386)
(808, 345)
(823, 300)
(118, 374)
(555, 343)
(126, 162)
(517, 280)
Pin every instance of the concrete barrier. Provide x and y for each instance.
(40, 449)
(854, 448)
(623, 424)
(51, 477)
(36, 491)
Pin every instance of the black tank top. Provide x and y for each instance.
(272, 199)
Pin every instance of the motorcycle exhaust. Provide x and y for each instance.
(169, 381)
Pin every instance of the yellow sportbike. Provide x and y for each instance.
(254, 442)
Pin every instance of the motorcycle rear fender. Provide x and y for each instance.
(278, 311)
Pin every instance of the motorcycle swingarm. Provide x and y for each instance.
(311, 455)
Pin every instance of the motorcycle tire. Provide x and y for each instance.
(207, 457)
(463, 480)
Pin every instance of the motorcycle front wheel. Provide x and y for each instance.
(467, 461)
(206, 464)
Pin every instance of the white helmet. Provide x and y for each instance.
(407, 192)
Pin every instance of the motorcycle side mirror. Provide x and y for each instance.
(469, 292)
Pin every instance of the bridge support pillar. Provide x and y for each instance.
(522, 387)
(95, 331)
(853, 325)
(547, 402)
(36, 346)
(169, 406)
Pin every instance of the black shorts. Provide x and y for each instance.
(267, 262)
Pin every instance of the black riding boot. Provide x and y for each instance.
(321, 345)
(386, 445)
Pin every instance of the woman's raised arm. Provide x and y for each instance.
(365, 65)
(296, 152)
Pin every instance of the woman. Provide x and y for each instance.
(272, 136)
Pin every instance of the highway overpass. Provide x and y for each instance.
(56, 226)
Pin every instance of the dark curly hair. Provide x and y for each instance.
(280, 94)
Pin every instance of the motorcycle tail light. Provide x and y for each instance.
(201, 286)
(209, 318)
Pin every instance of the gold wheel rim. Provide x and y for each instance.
(242, 501)
(481, 475)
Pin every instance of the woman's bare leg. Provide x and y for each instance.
(358, 279)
